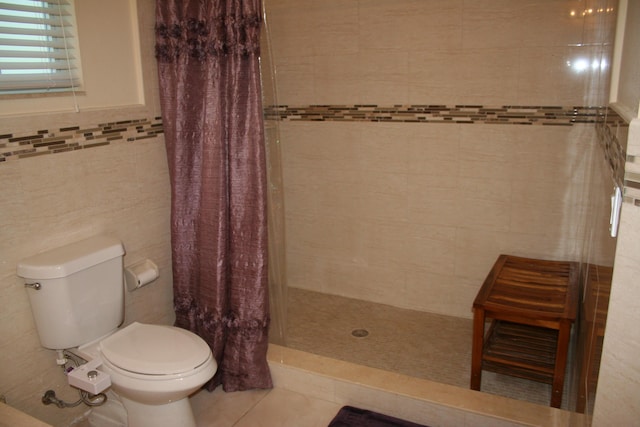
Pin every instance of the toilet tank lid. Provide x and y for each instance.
(71, 258)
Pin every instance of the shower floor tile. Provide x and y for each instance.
(422, 345)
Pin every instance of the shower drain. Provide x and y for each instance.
(359, 333)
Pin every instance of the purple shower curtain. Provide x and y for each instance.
(208, 64)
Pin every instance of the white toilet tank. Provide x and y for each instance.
(76, 291)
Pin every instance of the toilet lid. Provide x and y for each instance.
(155, 349)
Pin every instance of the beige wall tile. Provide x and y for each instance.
(410, 24)
(434, 149)
(384, 147)
(484, 190)
(335, 146)
(383, 77)
(523, 23)
(436, 76)
(477, 250)
(295, 84)
(436, 293)
(553, 75)
(490, 76)
(385, 205)
(337, 79)
(487, 52)
(419, 199)
(353, 280)
(618, 376)
(303, 271)
(385, 244)
(485, 215)
(289, 24)
(544, 246)
(428, 247)
(433, 200)
(333, 30)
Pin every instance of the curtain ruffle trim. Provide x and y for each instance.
(187, 308)
(199, 39)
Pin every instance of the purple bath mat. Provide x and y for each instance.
(348, 416)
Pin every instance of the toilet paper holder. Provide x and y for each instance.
(140, 274)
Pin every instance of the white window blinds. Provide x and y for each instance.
(38, 46)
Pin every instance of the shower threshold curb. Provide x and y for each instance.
(417, 400)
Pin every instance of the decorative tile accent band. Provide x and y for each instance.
(42, 142)
(609, 125)
(611, 128)
(632, 181)
(460, 114)
(612, 136)
(51, 141)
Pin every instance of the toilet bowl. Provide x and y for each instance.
(154, 369)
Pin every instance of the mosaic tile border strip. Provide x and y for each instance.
(609, 125)
(611, 128)
(612, 136)
(632, 180)
(48, 141)
(460, 114)
(42, 142)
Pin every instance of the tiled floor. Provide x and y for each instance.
(277, 407)
(422, 345)
(310, 390)
(261, 408)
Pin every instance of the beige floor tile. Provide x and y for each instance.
(283, 408)
(222, 409)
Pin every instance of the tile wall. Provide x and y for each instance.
(456, 52)
(616, 402)
(414, 215)
(619, 382)
(67, 176)
(118, 187)
(15, 146)
(422, 139)
(454, 114)
(416, 144)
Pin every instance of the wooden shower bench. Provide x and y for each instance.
(533, 304)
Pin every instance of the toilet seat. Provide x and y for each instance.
(155, 350)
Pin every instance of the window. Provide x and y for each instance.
(38, 47)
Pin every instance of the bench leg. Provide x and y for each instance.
(562, 351)
(476, 351)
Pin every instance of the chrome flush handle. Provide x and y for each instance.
(35, 286)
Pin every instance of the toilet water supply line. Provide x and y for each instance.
(63, 357)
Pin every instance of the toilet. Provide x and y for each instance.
(77, 299)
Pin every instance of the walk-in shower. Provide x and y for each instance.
(411, 143)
